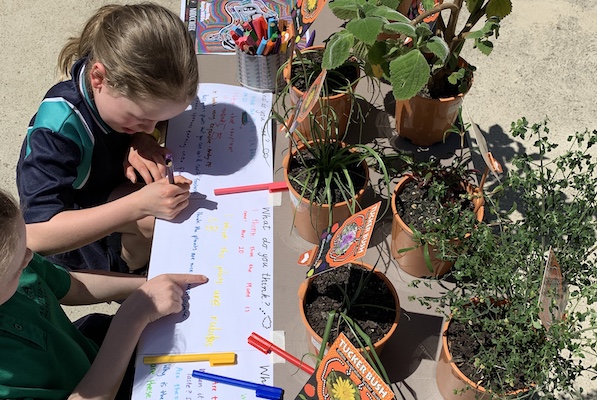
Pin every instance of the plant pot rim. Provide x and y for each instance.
(420, 97)
(480, 209)
(305, 285)
(286, 163)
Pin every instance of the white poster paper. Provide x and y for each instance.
(223, 140)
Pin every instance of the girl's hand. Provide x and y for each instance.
(146, 157)
(163, 200)
(162, 295)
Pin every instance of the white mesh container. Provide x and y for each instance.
(259, 72)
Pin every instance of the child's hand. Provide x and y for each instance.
(163, 200)
(162, 295)
(146, 157)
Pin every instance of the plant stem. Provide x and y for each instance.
(439, 8)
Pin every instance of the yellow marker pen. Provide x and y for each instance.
(215, 359)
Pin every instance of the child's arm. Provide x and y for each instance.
(73, 229)
(92, 287)
(155, 299)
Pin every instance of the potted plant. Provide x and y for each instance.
(434, 205)
(337, 99)
(424, 66)
(353, 299)
(326, 178)
(524, 334)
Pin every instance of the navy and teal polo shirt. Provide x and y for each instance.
(42, 354)
(70, 160)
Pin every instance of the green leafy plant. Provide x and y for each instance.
(307, 66)
(409, 54)
(446, 210)
(524, 335)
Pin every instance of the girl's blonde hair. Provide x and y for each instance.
(145, 48)
(9, 232)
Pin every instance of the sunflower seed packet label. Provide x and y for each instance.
(344, 374)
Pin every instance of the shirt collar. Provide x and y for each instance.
(82, 86)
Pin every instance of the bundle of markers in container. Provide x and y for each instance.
(263, 37)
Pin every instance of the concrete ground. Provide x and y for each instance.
(543, 65)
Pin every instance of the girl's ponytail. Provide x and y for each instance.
(82, 46)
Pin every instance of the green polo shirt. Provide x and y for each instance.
(42, 354)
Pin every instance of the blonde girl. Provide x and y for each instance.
(95, 134)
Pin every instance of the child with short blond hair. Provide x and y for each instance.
(42, 354)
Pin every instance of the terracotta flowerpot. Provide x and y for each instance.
(315, 340)
(311, 219)
(338, 104)
(424, 121)
(449, 377)
(413, 261)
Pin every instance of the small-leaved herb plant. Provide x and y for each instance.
(546, 201)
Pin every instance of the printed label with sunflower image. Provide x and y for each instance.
(344, 374)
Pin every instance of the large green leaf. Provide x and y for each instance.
(408, 74)
(393, 4)
(387, 13)
(439, 47)
(365, 29)
(402, 28)
(337, 50)
(498, 8)
(346, 9)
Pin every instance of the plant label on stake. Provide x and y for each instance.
(343, 243)
(552, 295)
(492, 164)
(306, 103)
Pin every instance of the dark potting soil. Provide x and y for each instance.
(324, 295)
(439, 87)
(464, 343)
(298, 170)
(415, 209)
(338, 79)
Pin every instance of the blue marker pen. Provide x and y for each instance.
(272, 26)
(261, 46)
(261, 391)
